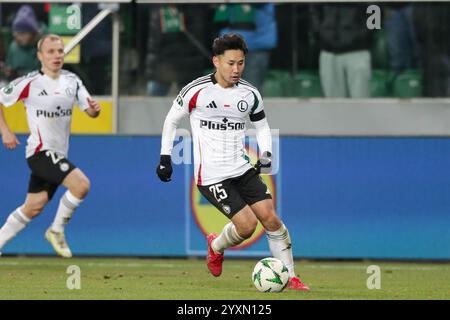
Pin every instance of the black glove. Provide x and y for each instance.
(164, 169)
(264, 163)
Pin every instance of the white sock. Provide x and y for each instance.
(15, 223)
(281, 247)
(227, 238)
(66, 208)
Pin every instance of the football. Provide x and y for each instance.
(270, 275)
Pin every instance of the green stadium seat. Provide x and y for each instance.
(408, 84)
(307, 84)
(379, 52)
(380, 83)
(277, 84)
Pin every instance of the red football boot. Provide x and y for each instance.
(295, 284)
(214, 260)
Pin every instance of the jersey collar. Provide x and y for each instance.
(214, 81)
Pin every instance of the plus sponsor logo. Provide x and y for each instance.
(54, 114)
(224, 125)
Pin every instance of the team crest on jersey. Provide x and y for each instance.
(242, 105)
(8, 89)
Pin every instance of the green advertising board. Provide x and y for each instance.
(64, 20)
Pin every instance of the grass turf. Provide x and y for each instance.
(187, 279)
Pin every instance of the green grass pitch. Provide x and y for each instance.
(188, 279)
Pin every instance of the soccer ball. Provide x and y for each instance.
(270, 275)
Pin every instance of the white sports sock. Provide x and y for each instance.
(66, 208)
(281, 247)
(15, 223)
(227, 238)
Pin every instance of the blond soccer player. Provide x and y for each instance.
(49, 95)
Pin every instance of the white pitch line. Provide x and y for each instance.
(382, 266)
(92, 264)
(299, 265)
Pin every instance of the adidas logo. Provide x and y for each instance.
(43, 93)
(212, 105)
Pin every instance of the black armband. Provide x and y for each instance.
(257, 116)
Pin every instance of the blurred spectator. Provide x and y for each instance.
(2, 63)
(344, 42)
(9, 11)
(175, 52)
(21, 55)
(257, 24)
(2, 51)
(433, 26)
(402, 45)
(96, 52)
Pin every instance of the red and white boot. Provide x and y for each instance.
(214, 260)
(295, 284)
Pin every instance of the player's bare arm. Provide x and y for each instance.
(9, 139)
(94, 108)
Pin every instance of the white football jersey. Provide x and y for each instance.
(49, 106)
(218, 119)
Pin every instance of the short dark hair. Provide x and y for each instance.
(228, 41)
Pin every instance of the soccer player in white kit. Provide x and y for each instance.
(219, 105)
(49, 96)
